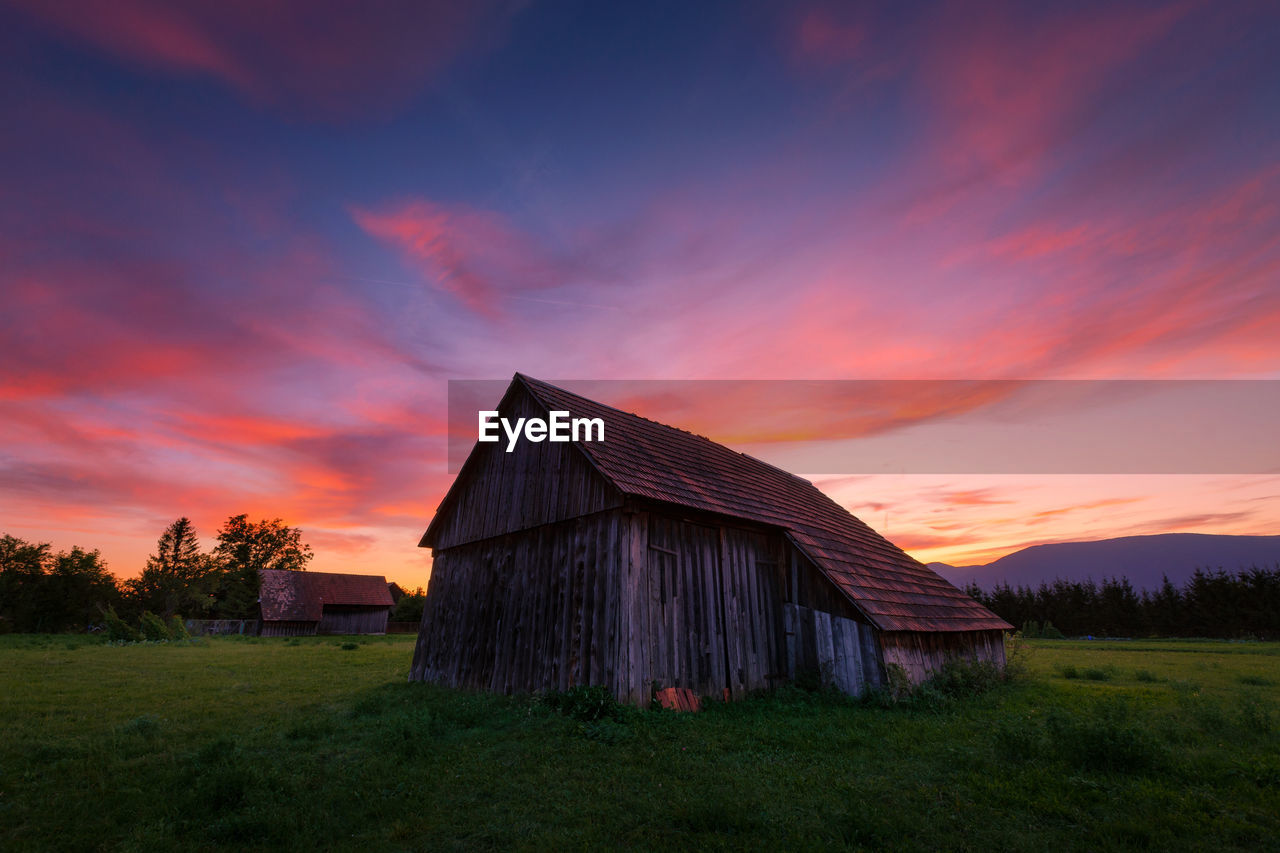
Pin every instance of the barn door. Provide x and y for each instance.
(686, 625)
(715, 608)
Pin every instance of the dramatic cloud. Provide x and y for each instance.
(244, 245)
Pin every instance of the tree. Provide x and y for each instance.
(21, 574)
(409, 607)
(178, 577)
(41, 591)
(247, 547)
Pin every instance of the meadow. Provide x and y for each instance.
(320, 743)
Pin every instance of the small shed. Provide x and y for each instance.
(293, 604)
(658, 558)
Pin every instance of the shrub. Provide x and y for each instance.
(1255, 680)
(1016, 656)
(1049, 632)
(1068, 671)
(961, 677)
(348, 647)
(119, 631)
(153, 627)
(1145, 675)
(897, 682)
(178, 628)
(1095, 674)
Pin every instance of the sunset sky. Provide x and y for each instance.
(245, 245)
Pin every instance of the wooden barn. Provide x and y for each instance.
(293, 604)
(657, 558)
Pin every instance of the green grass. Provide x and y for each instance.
(306, 744)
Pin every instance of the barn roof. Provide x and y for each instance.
(651, 460)
(301, 596)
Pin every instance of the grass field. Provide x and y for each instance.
(320, 743)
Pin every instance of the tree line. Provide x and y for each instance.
(43, 592)
(1240, 604)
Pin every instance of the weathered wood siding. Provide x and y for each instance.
(836, 649)
(640, 598)
(920, 654)
(353, 620)
(527, 611)
(715, 607)
(626, 599)
(537, 483)
(825, 635)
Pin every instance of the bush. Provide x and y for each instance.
(1095, 674)
(1049, 632)
(1068, 671)
(119, 631)
(178, 628)
(153, 627)
(960, 677)
(1016, 656)
(1145, 675)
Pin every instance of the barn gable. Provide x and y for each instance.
(498, 492)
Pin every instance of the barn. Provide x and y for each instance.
(293, 604)
(658, 558)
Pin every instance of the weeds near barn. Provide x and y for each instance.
(297, 744)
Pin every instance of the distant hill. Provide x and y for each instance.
(1142, 559)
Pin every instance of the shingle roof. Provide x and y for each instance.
(651, 460)
(301, 596)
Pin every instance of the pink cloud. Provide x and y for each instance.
(477, 256)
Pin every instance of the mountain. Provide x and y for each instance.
(1142, 559)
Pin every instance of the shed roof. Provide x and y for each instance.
(301, 596)
(650, 460)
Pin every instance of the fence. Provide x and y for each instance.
(221, 626)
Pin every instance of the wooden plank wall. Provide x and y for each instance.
(353, 620)
(535, 484)
(528, 611)
(714, 607)
(753, 593)
(841, 650)
(921, 654)
(825, 634)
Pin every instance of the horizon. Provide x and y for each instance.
(243, 260)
